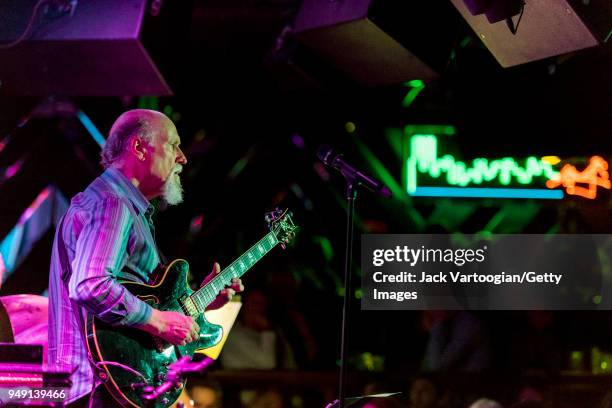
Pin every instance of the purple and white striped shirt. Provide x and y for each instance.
(107, 236)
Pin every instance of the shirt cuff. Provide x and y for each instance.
(139, 316)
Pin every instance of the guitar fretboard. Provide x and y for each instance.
(207, 293)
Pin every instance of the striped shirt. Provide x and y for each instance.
(105, 236)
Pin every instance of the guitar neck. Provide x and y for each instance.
(207, 293)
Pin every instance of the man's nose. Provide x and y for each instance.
(181, 158)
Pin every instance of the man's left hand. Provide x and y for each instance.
(226, 294)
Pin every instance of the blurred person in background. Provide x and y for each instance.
(485, 403)
(255, 341)
(458, 341)
(536, 344)
(268, 398)
(206, 395)
(285, 309)
(424, 393)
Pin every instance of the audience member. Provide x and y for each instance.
(268, 398)
(255, 343)
(424, 393)
(485, 403)
(458, 341)
(206, 395)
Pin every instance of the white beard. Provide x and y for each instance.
(173, 190)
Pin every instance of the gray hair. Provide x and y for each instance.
(130, 123)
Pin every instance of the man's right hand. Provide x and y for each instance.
(174, 327)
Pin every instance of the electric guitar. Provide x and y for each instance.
(131, 360)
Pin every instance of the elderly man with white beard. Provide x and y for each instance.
(107, 236)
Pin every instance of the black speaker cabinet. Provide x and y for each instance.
(547, 28)
(97, 51)
(378, 42)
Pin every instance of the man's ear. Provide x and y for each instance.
(137, 147)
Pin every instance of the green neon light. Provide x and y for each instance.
(465, 42)
(416, 86)
(446, 130)
(424, 159)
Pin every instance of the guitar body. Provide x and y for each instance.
(121, 351)
(142, 352)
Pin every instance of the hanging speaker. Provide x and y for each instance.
(547, 27)
(377, 42)
(87, 48)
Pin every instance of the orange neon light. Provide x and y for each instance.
(595, 174)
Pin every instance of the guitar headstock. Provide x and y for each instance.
(280, 222)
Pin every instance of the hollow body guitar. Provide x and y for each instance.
(150, 356)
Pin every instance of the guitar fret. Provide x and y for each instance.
(198, 305)
(215, 288)
(206, 294)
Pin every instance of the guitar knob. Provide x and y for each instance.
(165, 401)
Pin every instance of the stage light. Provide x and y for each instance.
(298, 141)
(350, 127)
(33, 224)
(196, 224)
(91, 128)
(416, 86)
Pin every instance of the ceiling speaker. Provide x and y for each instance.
(547, 28)
(94, 48)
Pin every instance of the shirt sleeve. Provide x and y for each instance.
(101, 252)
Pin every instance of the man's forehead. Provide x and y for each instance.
(172, 133)
(168, 132)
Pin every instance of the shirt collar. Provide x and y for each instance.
(121, 183)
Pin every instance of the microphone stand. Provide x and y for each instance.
(354, 178)
(351, 196)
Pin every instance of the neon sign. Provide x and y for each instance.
(594, 175)
(424, 159)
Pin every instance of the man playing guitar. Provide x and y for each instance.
(107, 236)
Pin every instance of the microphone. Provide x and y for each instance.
(331, 158)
